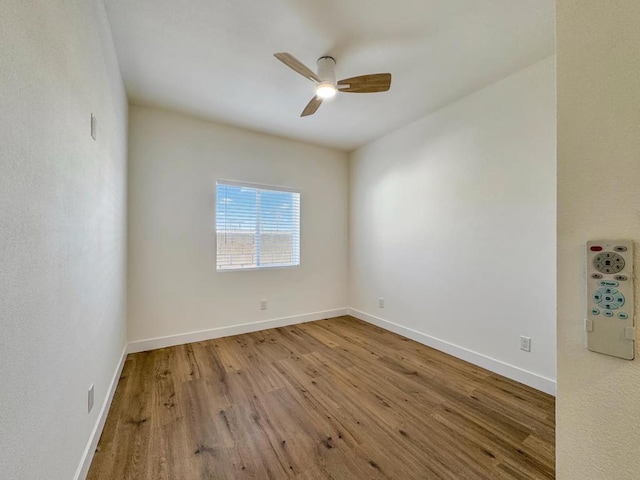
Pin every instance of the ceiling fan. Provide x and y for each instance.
(325, 80)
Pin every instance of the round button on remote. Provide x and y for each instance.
(608, 313)
(608, 262)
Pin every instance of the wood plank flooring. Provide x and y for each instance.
(333, 399)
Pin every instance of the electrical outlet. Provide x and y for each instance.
(90, 396)
(381, 302)
(525, 343)
(263, 304)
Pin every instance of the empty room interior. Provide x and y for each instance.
(319, 239)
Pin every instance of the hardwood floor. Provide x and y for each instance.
(334, 399)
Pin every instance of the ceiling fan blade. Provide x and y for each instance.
(295, 64)
(377, 82)
(311, 107)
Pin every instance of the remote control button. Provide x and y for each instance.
(608, 283)
(619, 299)
(620, 249)
(596, 275)
(597, 296)
(622, 278)
(623, 316)
(609, 306)
(608, 262)
(608, 313)
(608, 290)
(595, 311)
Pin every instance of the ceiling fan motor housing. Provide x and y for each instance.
(327, 70)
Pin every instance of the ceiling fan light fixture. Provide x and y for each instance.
(325, 80)
(326, 90)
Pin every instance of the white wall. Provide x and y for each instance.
(62, 231)
(598, 410)
(453, 224)
(173, 285)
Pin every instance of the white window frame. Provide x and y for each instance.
(257, 186)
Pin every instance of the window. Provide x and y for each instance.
(256, 226)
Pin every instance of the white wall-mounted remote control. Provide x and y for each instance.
(610, 302)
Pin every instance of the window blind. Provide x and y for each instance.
(256, 226)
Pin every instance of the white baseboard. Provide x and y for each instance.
(531, 379)
(87, 455)
(199, 336)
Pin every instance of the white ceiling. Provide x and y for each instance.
(214, 58)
